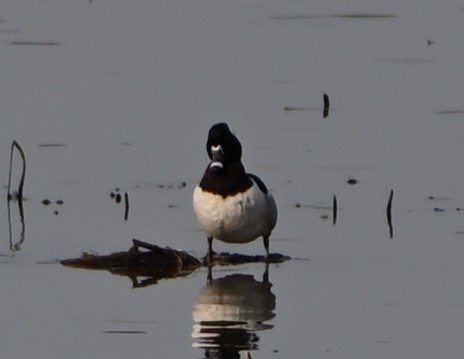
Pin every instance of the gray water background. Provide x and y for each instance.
(109, 96)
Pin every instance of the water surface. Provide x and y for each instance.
(112, 98)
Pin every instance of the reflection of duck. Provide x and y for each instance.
(229, 311)
(16, 231)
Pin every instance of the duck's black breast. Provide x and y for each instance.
(227, 181)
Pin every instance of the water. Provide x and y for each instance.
(115, 97)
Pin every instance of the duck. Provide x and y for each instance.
(231, 205)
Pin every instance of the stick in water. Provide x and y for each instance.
(15, 246)
(19, 196)
(389, 214)
(334, 210)
(325, 113)
(126, 206)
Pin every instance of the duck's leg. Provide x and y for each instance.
(209, 278)
(266, 274)
(209, 255)
(266, 246)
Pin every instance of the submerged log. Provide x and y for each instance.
(159, 263)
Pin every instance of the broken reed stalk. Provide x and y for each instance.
(19, 196)
(126, 206)
(389, 214)
(325, 113)
(334, 210)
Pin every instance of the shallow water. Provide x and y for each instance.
(111, 98)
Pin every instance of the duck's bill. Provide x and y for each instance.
(217, 154)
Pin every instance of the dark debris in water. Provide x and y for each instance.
(179, 185)
(294, 108)
(155, 263)
(117, 196)
(52, 144)
(312, 206)
(124, 332)
(389, 213)
(47, 202)
(36, 43)
(353, 16)
(363, 16)
(352, 181)
(441, 209)
(435, 198)
(450, 112)
(325, 111)
(166, 185)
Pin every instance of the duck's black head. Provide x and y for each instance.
(225, 175)
(222, 146)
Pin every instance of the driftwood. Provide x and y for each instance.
(155, 263)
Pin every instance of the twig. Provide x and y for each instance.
(19, 196)
(334, 210)
(126, 206)
(325, 113)
(389, 214)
